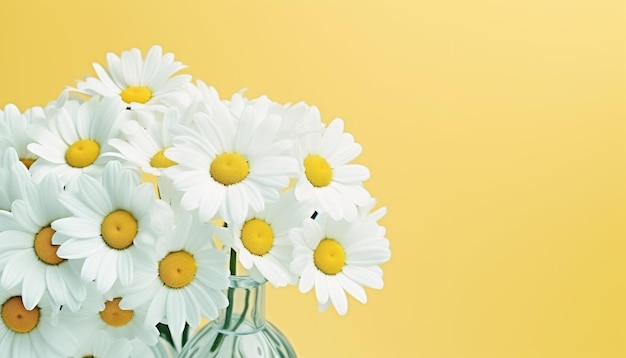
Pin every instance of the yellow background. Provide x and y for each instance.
(495, 132)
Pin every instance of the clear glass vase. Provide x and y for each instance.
(241, 329)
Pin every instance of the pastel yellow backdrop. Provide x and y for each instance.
(495, 132)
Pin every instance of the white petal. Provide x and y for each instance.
(107, 275)
(59, 339)
(14, 240)
(332, 136)
(77, 227)
(354, 289)
(80, 248)
(91, 266)
(175, 309)
(39, 347)
(300, 263)
(93, 195)
(125, 268)
(6, 342)
(16, 269)
(21, 346)
(307, 280)
(56, 285)
(351, 174)
(208, 307)
(210, 203)
(235, 207)
(109, 87)
(193, 307)
(156, 310)
(321, 287)
(33, 286)
(337, 295)
(363, 276)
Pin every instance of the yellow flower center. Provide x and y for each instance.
(329, 256)
(44, 248)
(177, 269)
(113, 315)
(317, 170)
(119, 229)
(159, 160)
(138, 94)
(82, 153)
(257, 237)
(229, 168)
(27, 162)
(17, 318)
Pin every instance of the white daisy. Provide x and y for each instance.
(73, 140)
(142, 84)
(326, 178)
(366, 213)
(144, 148)
(228, 169)
(31, 333)
(101, 345)
(13, 130)
(262, 241)
(162, 349)
(12, 174)
(109, 221)
(103, 313)
(207, 100)
(184, 280)
(298, 120)
(28, 257)
(338, 257)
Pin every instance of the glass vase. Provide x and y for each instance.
(240, 329)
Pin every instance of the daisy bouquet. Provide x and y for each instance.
(93, 263)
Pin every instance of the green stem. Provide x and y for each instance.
(233, 262)
(231, 296)
(164, 332)
(231, 290)
(185, 337)
(245, 310)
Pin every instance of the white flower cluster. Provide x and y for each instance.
(88, 250)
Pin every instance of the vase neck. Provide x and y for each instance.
(245, 313)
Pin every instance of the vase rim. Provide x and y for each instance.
(241, 281)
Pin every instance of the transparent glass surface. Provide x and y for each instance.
(241, 329)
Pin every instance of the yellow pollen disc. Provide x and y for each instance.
(44, 248)
(177, 269)
(82, 153)
(229, 168)
(119, 229)
(257, 236)
(139, 94)
(329, 256)
(17, 318)
(27, 162)
(159, 160)
(113, 315)
(317, 170)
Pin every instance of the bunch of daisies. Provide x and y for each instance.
(91, 248)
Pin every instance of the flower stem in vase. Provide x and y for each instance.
(231, 297)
